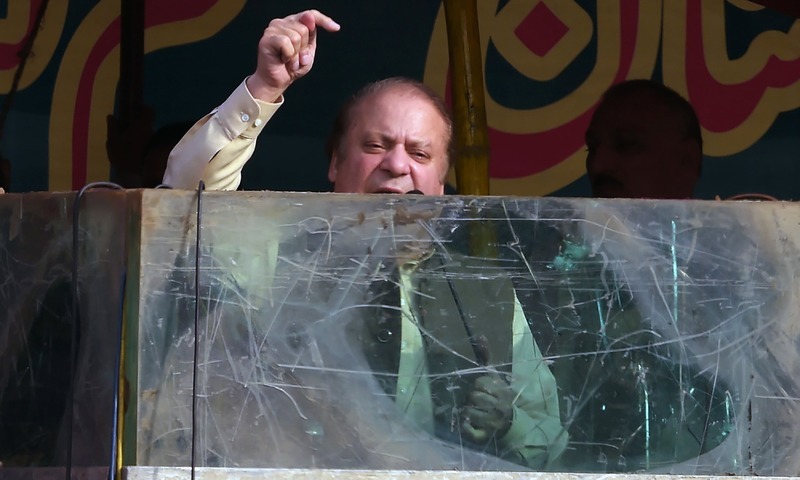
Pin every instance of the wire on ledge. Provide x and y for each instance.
(75, 332)
(200, 187)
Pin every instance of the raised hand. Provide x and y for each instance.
(286, 52)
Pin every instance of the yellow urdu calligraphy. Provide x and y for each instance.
(727, 71)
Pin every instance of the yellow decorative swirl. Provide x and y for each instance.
(104, 89)
(13, 29)
(784, 46)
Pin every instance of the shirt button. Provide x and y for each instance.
(403, 390)
(257, 122)
(245, 117)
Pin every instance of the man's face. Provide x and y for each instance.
(396, 143)
(638, 148)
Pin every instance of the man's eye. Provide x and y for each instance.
(373, 146)
(420, 154)
(625, 144)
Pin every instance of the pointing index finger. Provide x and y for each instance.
(314, 18)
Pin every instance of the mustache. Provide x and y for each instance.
(605, 180)
(410, 192)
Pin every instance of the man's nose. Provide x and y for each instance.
(397, 161)
(599, 160)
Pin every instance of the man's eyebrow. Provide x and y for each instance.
(378, 135)
(418, 142)
(625, 132)
(387, 138)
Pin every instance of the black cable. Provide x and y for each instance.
(112, 470)
(200, 187)
(480, 353)
(75, 332)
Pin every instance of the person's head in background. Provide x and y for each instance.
(643, 141)
(393, 136)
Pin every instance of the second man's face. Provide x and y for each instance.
(638, 148)
(396, 143)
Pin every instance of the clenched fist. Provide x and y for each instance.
(489, 409)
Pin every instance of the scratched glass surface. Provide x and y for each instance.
(665, 329)
(36, 326)
(342, 331)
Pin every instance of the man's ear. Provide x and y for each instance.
(690, 168)
(694, 156)
(332, 168)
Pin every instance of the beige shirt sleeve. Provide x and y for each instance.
(216, 148)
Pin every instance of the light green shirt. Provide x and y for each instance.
(536, 436)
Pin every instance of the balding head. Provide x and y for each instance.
(644, 141)
(393, 136)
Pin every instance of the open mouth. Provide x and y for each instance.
(607, 187)
(389, 190)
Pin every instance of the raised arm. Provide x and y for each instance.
(216, 148)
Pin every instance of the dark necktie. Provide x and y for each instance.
(382, 328)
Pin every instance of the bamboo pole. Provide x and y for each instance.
(469, 115)
(469, 106)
